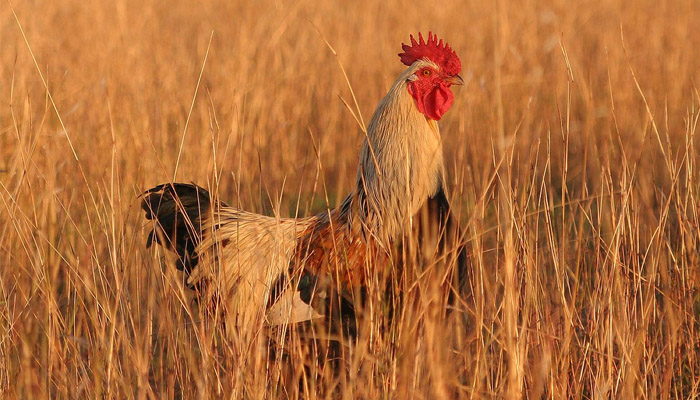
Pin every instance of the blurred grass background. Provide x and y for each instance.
(571, 156)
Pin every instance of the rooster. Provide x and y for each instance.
(263, 270)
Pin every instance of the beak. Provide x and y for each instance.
(454, 80)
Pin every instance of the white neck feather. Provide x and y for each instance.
(401, 163)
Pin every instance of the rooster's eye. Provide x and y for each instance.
(426, 72)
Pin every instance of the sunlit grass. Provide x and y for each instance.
(570, 152)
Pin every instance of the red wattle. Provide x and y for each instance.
(438, 101)
(434, 102)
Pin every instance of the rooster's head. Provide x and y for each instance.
(438, 69)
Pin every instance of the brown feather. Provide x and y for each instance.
(337, 246)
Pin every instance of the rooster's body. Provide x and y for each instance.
(267, 270)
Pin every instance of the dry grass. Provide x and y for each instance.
(584, 243)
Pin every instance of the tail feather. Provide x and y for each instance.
(244, 254)
(178, 210)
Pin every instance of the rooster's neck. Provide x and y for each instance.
(401, 163)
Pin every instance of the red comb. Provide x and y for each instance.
(438, 52)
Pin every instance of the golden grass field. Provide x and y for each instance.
(572, 164)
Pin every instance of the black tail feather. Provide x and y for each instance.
(177, 211)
